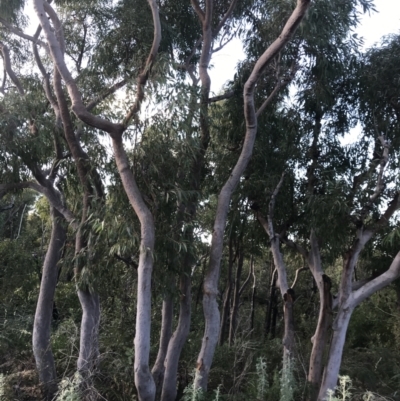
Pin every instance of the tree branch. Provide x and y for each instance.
(46, 85)
(380, 185)
(296, 277)
(271, 206)
(225, 18)
(127, 261)
(394, 205)
(282, 82)
(295, 246)
(111, 90)
(377, 283)
(251, 269)
(3, 85)
(7, 62)
(22, 35)
(143, 77)
(269, 99)
(56, 51)
(226, 95)
(198, 9)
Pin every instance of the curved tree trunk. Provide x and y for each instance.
(178, 340)
(44, 309)
(210, 288)
(143, 379)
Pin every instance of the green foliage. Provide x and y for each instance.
(193, 394)
(344, 392)
(287, 380)
(262, 378)
(11, 9)
(69, 389)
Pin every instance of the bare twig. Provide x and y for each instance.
(111, 90)
(302, 269)
(251, 269)
(282, 82)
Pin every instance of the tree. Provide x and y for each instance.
(146, 207)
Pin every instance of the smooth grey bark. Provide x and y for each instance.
(143, 379)
(89, 299)
(89, 332)
(210, 287)
(45, 306)
(44, 309)
(178, 339)
(346, 308)
(286, 292)
(227, 296)
(158, 369)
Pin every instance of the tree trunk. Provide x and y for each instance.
(44, 309)
(165, 336)
(288, 337)
(178, 340)
(331, 373)
(253, 297)
(143, 379)
(236, 298)
(227, 296)
(348, 301)
(320, 338)
(89, 343)
(271, 304)
(210, 305)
